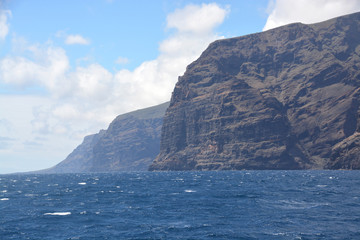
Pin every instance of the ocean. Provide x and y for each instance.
(182, 205)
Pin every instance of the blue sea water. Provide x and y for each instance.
(182, 205)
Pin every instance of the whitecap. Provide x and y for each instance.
(58, 213)
(279, 234)
(4, 199)
(189, 191)
(82, 183)
(31, 195)
(4, 191)
(82, 213)
(290, 204)
(178, 179)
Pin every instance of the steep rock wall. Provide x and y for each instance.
(287, 98)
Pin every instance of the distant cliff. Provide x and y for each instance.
(131, 143)
(287, 98)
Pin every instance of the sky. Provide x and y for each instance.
(69, 67)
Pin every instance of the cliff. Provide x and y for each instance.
(287, 98)
(131, 143)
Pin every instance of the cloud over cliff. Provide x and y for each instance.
(65, 102)
(283, 12)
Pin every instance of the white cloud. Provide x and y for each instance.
(307, 11)
(4, 25)
(153, 81)
(21, 113)
(5, 126)
(46, 67)
(93, 82)
(122, 60)
(66, 111)
(6, 142)
(76, 39)
(197, 19)
(83, 100)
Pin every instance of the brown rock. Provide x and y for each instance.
(131, 143)
(287, 98)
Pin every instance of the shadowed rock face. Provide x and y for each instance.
(131, 143)
(287, 98)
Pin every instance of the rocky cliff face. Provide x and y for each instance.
(131, 143)
(287, 98)
(80, 159)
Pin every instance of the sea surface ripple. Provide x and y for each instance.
(182, 205)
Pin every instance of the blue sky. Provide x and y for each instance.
(116, 28)
(68, 68)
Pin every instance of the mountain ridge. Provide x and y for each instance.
(130, 143)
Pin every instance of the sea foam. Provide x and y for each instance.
(189, 191)
(58, 213)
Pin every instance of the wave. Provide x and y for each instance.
(58, 213)
(189, 191)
